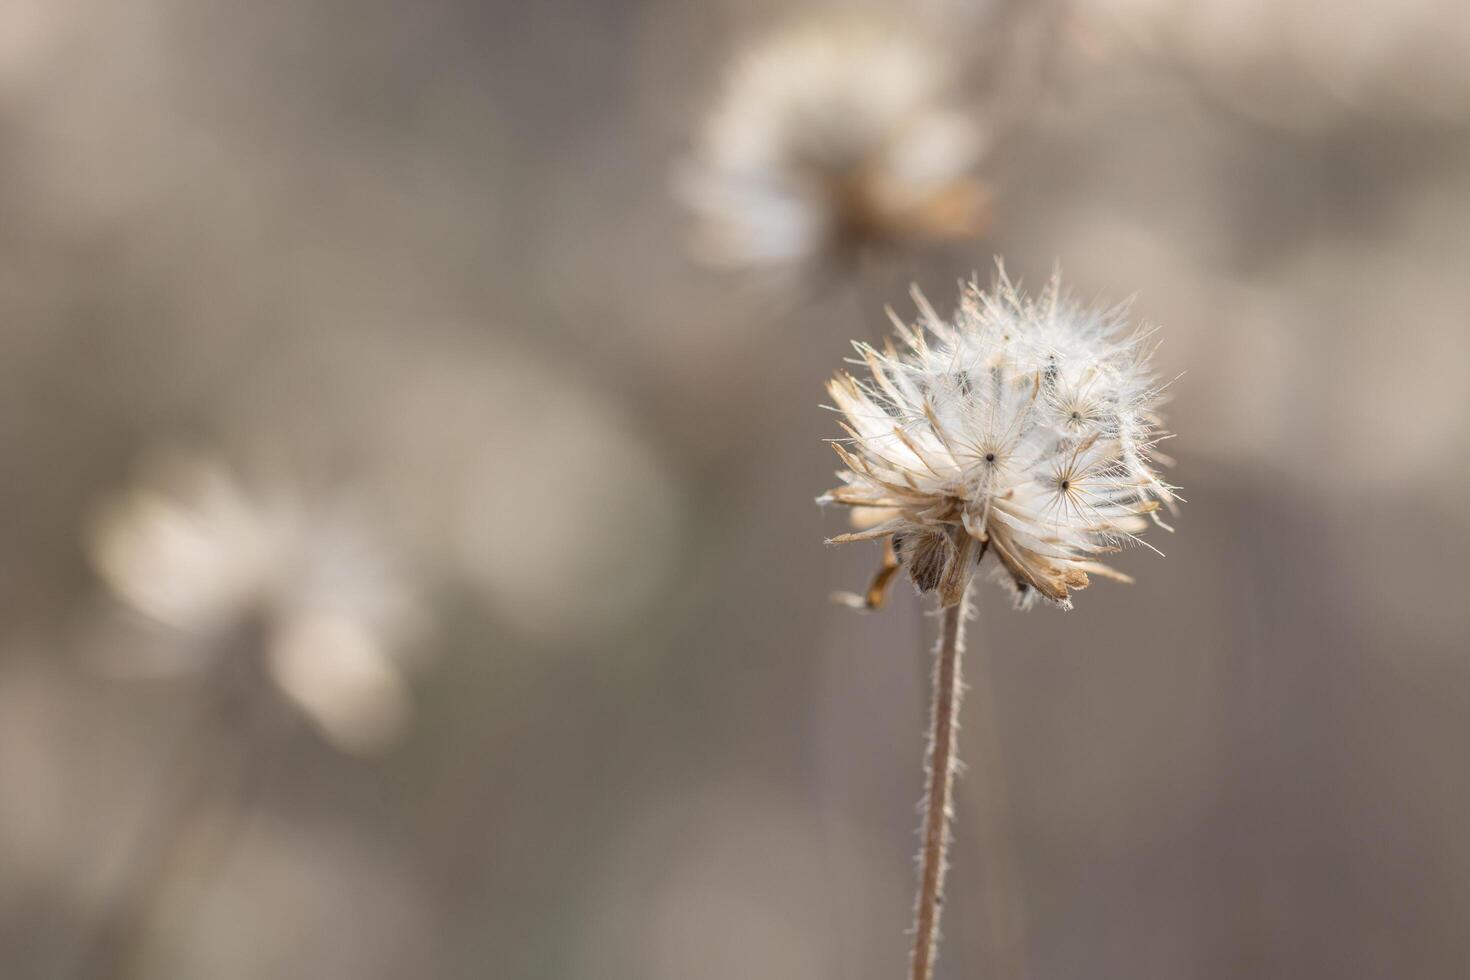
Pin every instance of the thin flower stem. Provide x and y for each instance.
(238, 731)
(939, 769)
(153, 861)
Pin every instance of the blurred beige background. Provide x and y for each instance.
(426, 253)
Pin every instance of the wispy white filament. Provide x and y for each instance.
(1020, 428)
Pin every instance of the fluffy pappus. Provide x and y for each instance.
(1023, 429)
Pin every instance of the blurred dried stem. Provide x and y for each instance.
(240, 734)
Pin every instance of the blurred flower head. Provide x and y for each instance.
(1020, 428)
(830, 136)
(194, 549)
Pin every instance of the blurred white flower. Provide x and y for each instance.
(829, 136)
(194, 549)
(1022, 428)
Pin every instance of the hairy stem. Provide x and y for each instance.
(939, 771)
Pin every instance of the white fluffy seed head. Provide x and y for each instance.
(1019, 428)
(833, 134)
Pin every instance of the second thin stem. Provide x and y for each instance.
(939, 771)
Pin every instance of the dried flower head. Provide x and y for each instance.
(1023, 429)
(196, 550)
(829, 136)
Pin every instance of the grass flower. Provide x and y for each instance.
(1020, 428)
(830, 136)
